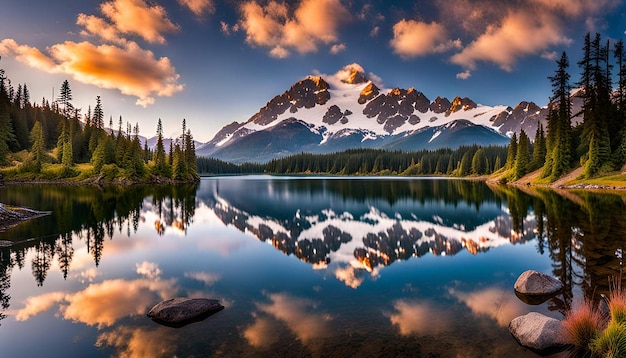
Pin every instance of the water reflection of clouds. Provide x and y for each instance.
(420, 318)
(496, 303)
(139, 342)
(295, 312)
(350, 275)
(102, 304)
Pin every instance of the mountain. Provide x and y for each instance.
(325, 114)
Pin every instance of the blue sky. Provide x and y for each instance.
(214, 62)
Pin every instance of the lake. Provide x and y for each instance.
(305, 266)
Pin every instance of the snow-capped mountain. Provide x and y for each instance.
(324, 114)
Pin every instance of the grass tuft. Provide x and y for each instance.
(611, 343)
(583, 324)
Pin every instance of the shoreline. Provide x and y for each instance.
(14, 215)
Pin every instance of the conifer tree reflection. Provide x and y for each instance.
(6, 265)
(42, 261)
(65, 253)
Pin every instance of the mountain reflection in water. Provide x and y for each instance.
(381, 241)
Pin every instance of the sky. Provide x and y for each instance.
(213, 62)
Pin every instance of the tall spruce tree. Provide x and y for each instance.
(559, 138)
(539, 149)
(512, 152)
(522, 157)
(65, 99)
(37, 150)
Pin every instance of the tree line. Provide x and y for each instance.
(466, 160)
(49, 139)
(598, 143)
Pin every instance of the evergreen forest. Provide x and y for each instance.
(54, 140)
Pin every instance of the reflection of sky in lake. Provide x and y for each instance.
(275, 303)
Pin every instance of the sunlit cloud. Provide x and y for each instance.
(519, 35)
(350, 276)
(336, 48)
(98, 27)
(139, 342)
(199, 7)
(137, 17)
(282, 28)
(550, 55)
(298, 314)
(38, 304)
(464, 75)
(207, 278)
(415, 38)
(420, 318)
(130, 69)
(375, 31)
(148, 269)
(495, 303)
(261, 333)
(104, 303)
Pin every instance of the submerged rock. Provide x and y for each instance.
(533, 283)
(539, 332)
(179, 311)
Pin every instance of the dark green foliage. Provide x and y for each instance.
(559, 138)
(522, 157)
(539, 150)
(364, 162)
(511, 152)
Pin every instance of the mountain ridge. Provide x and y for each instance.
(328, 113)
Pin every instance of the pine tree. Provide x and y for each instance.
(159, 153)
(512, 152)
(37, 150)
(522, 157)
(539, 149)
(65, 98)
(559, 138)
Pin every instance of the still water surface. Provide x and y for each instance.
(319, 267)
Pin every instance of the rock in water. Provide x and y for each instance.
(535, 283)
(179, 311)
(539, 332)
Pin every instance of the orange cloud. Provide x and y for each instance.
(275, 26)
(96, 26)
(415, 38)
(495, 303)
(37, 304)
(520, 34)
(139, 342)
(130, 69)
(295, 313)
(104, 303)
(199, 7)
(349, 275)
(421, 318)
(261, 333)
(139, 18)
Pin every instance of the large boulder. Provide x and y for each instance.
(533, 283)
(539, 332)
(179, 311)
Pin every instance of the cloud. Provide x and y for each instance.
(464, 75)
(199, 7)
(350, 276)
(228, 29)
(207, 278)
(261, 333)
(139, 18)
(104, 303)
(96, 26)
(37, 304)
(130, 69)
(495, 303)
(148, 269)
(550, 55)
(520, 34)
(336, 48)
(375, 31)
(139, 342)
(414, 38)
(421, 318)
(296, 313)
(282, 28)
